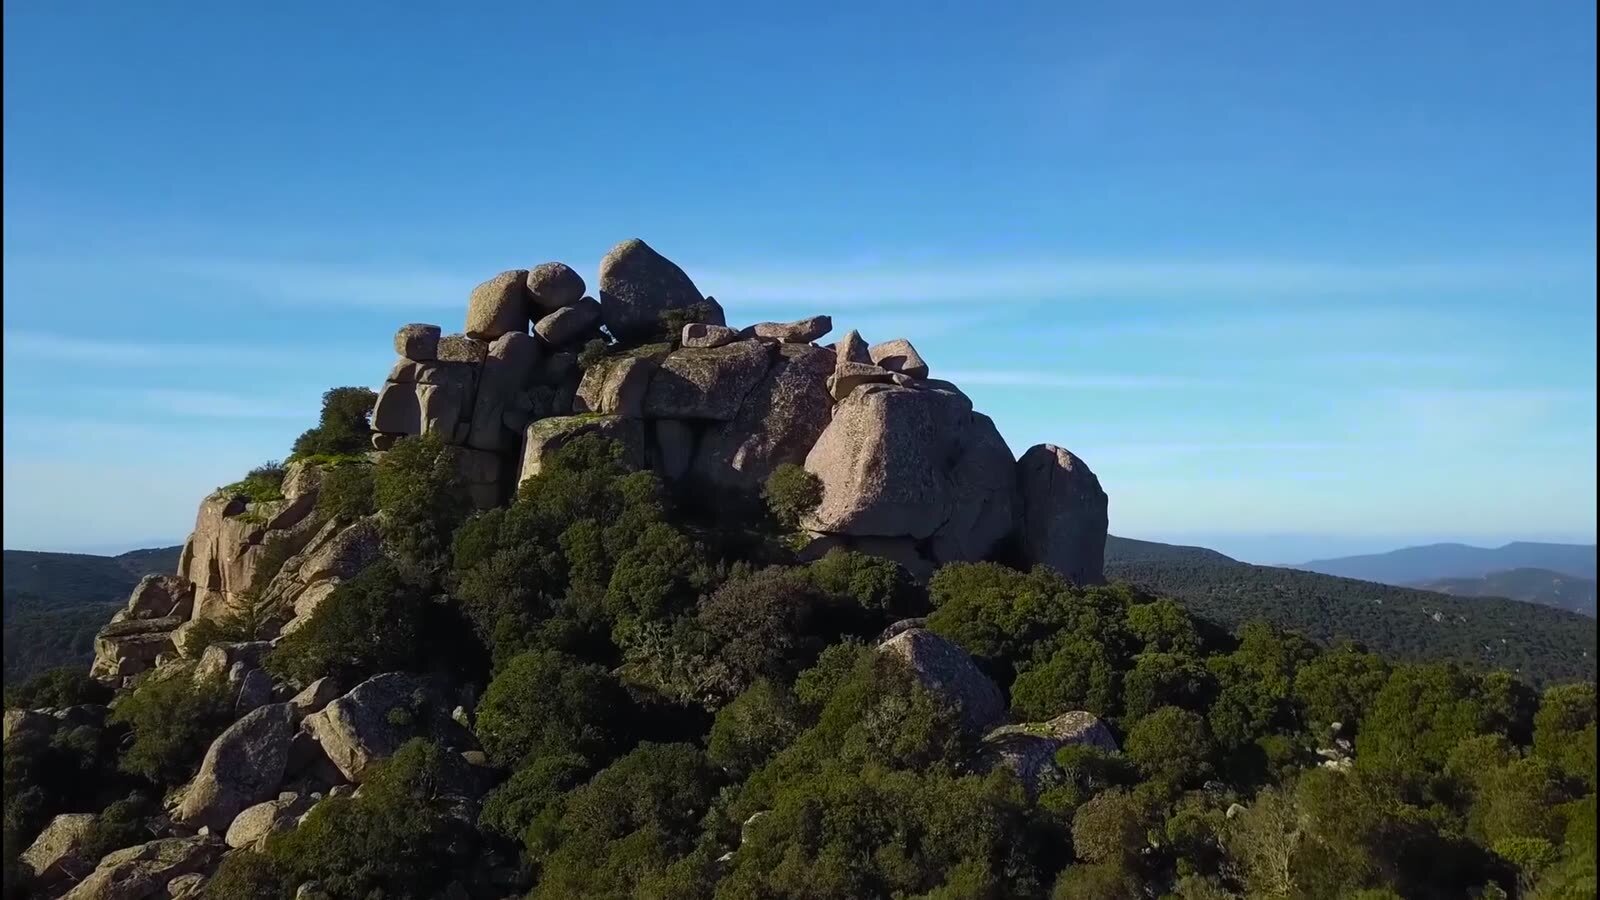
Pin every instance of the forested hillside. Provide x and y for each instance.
(1540, 586)
(1536, 642)
(55, 602)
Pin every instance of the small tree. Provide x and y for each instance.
(343, 427)
(791, 493)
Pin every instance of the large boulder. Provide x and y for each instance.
(127, 647)
(700, 336)
(899, 356)
(852, 348)
(567, 324)
(544, 437)
(337, 552)
(507, 370)
(778, 422)
(637, 285)
(900, 462)
(160, 596)
(1029, 750)
(54, 855)
(370, 723)
(243, 767)
(553, 285)
(615, 386)
(706, 384)
(253, 825)
(498, 306)
(950, 674)
(417, 341)
(1064, 516)
(144, 871)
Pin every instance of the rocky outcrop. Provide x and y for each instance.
(1029, 750)
(243, 767)
(637, 285)
(949, 673)
(1064, 516)
(54, 855)
(337, 552)
(901, 462)
(142, 872)
(778, 422)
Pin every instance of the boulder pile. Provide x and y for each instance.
(909, 470)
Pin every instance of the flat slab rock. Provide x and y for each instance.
(708, 384)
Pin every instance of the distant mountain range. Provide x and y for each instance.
(1406, 623)
(1540, 586)
(1416, 565)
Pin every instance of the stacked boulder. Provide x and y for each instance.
(909, 470)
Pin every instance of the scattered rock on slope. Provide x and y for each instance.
(947, 671)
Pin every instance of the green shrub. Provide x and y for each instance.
(174, 719)
(525, 808)
(346, 493)
(418, 488)
(791, 493)
(593, 351)
(371, 624)
(871, 581)
(343, 426)
(259, 485)
(60, 687)
(672, 320)
(545, 703)
(397, 839)
(122, 824)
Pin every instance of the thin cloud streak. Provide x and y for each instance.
(77, 349)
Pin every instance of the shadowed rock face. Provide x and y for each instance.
(242, 768)
(1064, 514)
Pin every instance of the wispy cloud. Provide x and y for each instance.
(122, 352)
(379, 286)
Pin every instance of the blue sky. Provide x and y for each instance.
(1294, 279)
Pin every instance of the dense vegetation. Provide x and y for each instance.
(673, 707)
(1535, 642)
